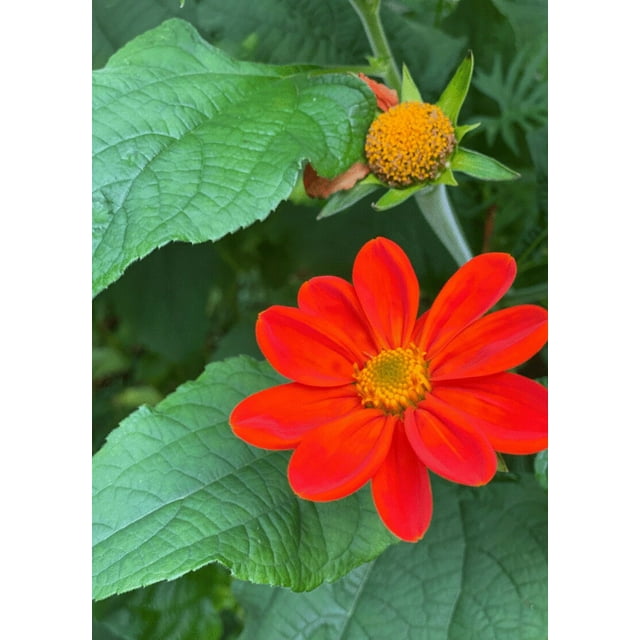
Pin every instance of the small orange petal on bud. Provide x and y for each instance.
(386, 97)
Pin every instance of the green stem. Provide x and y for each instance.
(435, 207)
(368, 70)
(369, 13)
(433, 204)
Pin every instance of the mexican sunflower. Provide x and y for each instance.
(379, 393)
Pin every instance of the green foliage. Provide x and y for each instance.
(482, 28)
(164, 299)
(479, 573)
(527, 18)
(200, 139)
(285, 31)
(542, 468)
(217, 158)
(116, 22)
(521, 94)
(200, 605)
(431, 53)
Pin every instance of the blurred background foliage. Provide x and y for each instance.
(184, 306)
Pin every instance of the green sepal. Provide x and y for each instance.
(342, 200)
(502, 465)
(447, 178)
(394, 197)
(456, 91)
(462, 130)
(480, 166)
(409, 92)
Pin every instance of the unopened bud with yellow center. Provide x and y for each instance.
(410, 143)
(393, 380)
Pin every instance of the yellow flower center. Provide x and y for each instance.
(410, 143)
(393, 380)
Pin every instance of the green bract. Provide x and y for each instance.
(463, 160)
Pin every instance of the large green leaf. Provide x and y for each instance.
(190, 144)
(174, 489)
(480, 573)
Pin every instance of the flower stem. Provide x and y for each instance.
(435, 207)
(369, 13)
(433, 204)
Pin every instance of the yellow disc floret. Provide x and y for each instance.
(393, 380)
(410, 143)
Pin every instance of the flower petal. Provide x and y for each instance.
(318, 187)
(447, 443)
(499, 341)
(510, 409)
(468, 294)
(388, 290)
(385, 97)
(338, 458)
(419, 327)
(335, 299)
(402, 491)
(278, 418)
(306, 348)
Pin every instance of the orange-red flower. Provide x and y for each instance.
(318, 187)
(382, 394)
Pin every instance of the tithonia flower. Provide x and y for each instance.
(381, 394)
(412, 145)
